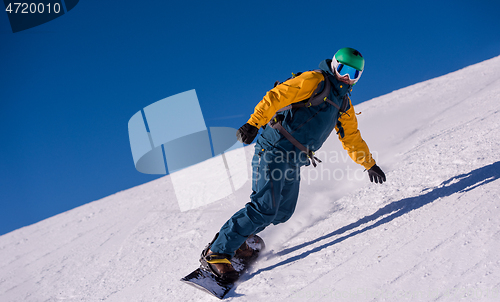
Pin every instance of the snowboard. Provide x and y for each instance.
(212, 284)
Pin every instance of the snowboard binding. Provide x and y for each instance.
(209, 278)
(224, 266)
(218, 264)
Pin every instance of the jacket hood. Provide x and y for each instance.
(340, 87)
(325, 65)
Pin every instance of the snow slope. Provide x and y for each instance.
(431, 233)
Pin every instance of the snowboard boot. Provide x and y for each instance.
(249, 250)
(218, 264)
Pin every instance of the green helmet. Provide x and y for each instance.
(348, 62)
(351, 57)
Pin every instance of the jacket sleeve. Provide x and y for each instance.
(353, 143)
(289, 92)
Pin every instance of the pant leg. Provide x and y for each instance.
(268, 181)
(289, 195)
(288, 198)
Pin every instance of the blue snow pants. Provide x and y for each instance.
(275, 186)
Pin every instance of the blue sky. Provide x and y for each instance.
(69, 87)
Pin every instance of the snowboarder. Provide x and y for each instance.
(293, 130)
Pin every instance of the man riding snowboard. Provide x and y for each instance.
(298, 116)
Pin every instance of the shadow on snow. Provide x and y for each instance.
(457, 184)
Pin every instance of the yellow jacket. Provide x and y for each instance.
(301, 88)
(352, 141)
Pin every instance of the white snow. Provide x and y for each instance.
(431, 233)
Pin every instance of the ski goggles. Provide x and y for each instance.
(343, 69)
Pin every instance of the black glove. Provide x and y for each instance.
(376, 174)
(247, 133)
